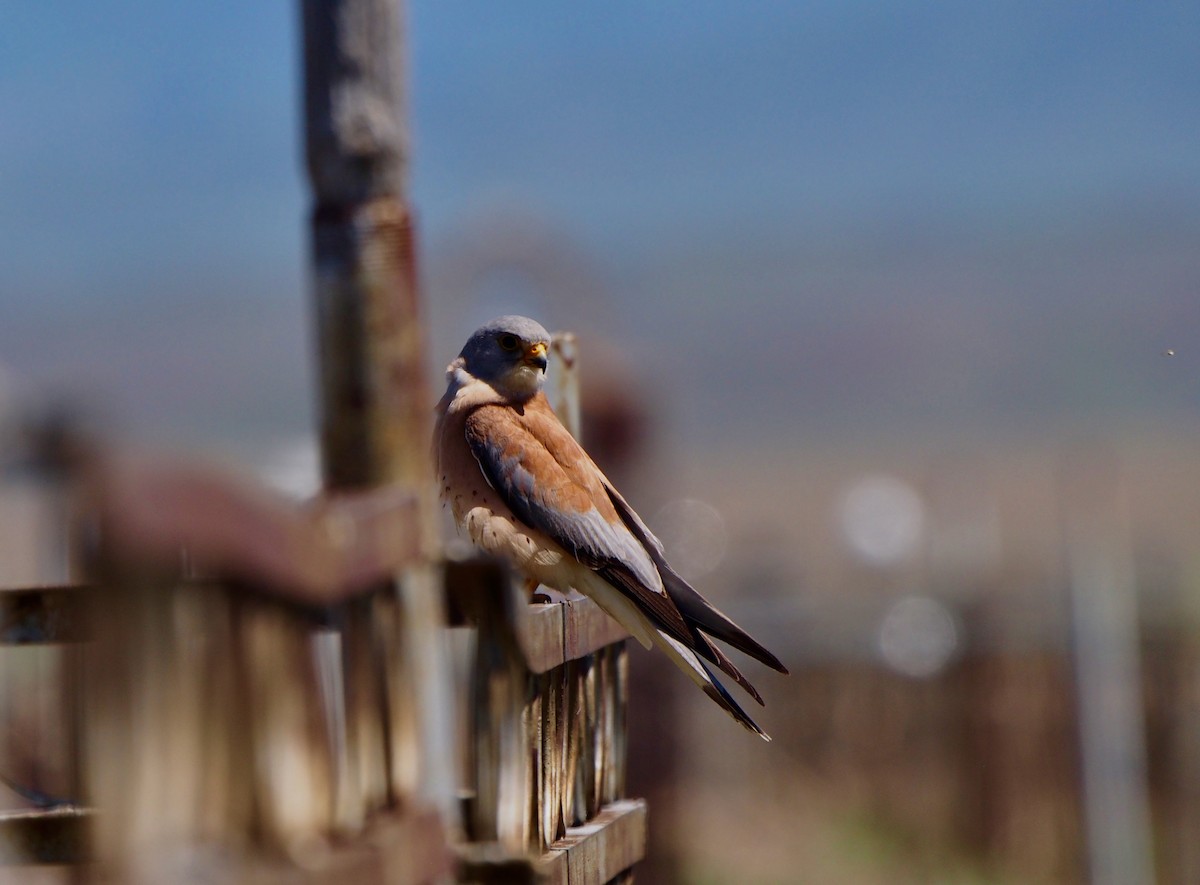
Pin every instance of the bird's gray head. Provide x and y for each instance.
(509, 353)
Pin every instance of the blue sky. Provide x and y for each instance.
(731, 174)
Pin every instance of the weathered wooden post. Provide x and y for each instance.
(374, 397)
(1105, 635)
(374, 408)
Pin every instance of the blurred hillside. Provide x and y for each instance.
(833, 219)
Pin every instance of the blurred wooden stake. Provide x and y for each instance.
(1106, 633)
(564, 350)
(374, 398)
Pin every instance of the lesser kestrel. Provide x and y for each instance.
(525, 490)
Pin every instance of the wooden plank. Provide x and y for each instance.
(553, 633)
(591, 854)
(55, 836)
(540, 632)
(549, 634)
(493, 864)
(607, 845)
(587, 628)
(553, 867)
(155, 509)
(399, 849)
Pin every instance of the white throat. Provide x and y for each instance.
(464, 390)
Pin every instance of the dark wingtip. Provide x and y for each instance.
(763, 656)
(746, 645)
(703, 615)
(755, 650)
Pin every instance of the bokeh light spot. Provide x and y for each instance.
(882, 519)
(693, 533)
(918, 636)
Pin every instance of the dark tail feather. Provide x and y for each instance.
(699, 611)
(714, 655)
(690, 663)
(718, 693)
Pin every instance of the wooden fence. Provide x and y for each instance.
(254, 712)
(250, 690)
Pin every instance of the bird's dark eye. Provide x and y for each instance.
(508, 342)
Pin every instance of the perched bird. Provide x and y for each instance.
(526, 491)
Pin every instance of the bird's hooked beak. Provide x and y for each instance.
(536, 355)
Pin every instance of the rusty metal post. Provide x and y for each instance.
(374, 397)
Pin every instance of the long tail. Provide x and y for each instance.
(689, 663)
(629, 616)
(704, 615)
(713, 654)
(697, 610)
